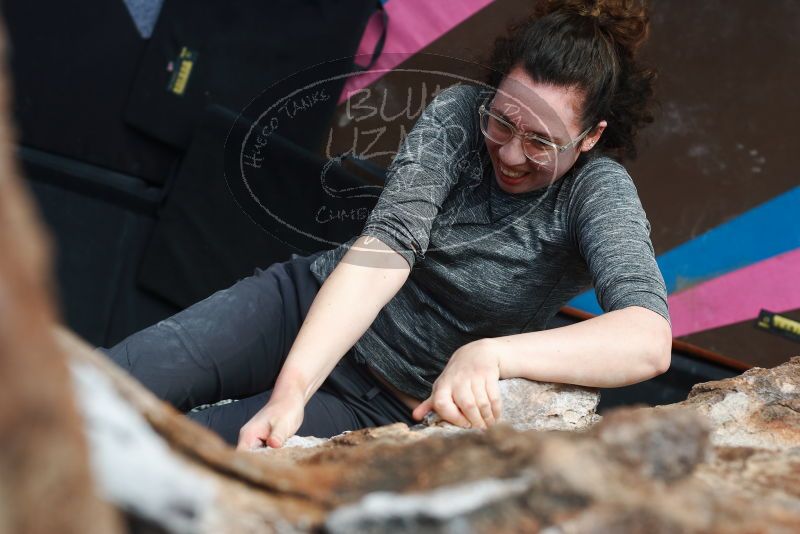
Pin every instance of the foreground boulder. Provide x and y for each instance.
(638, 470)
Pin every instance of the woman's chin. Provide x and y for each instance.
(522, 184)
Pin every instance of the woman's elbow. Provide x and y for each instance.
(657, 333)
(662, 357)
(662, 363)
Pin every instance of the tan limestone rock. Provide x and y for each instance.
(527, 405)
(530, 405)
(638, 470)
(759, 409)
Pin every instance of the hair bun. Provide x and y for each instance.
(626, 21)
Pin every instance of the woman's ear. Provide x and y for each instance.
(590, 140)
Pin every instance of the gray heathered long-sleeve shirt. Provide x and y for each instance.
(486, 263)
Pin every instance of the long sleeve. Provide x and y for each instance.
(610, 227)
(422, 174)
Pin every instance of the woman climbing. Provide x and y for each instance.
(507, 199)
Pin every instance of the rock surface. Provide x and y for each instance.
(157, 465)
(760, 408)
(638, 470)
(529, 405)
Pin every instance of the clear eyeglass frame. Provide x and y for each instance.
(549, 148)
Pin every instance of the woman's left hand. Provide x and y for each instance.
(467, 392)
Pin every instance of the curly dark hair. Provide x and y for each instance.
(589, 46)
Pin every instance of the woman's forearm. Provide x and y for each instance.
(615, 349)
(363, 282)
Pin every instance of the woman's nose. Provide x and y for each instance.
(512, 153)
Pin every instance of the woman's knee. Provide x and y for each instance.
(230, 345)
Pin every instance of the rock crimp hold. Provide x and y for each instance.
(526, 405)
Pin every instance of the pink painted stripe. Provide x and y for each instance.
(772, 284)
(413, 25)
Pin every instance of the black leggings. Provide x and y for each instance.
(232, 345)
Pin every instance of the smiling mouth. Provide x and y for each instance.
(514, 175)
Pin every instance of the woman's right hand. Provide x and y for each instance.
(273, 424)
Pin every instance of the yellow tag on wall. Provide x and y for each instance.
(778, 324)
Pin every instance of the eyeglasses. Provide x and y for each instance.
(535, 147)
